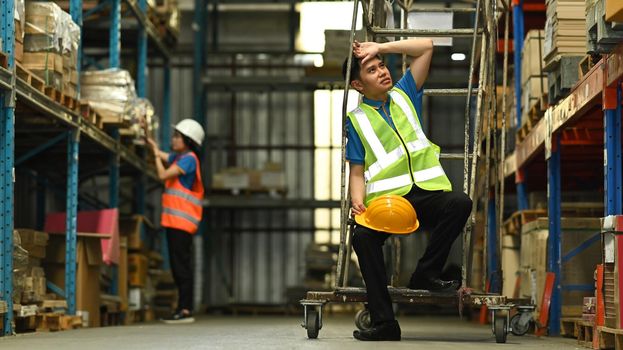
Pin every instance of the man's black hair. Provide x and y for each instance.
(355, 69)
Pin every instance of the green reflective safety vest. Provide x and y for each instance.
(397, 159)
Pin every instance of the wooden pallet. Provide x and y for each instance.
(568, 327)
(25, 324)
(4, 60)
(53, 94)
(519, 218)
(610, 338)
(53, 322)
(70, 102)
(585, 332)
(89, 114)
(31, 79)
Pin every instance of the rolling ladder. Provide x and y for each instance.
(483, 110)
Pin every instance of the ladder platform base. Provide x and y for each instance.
(403, 295)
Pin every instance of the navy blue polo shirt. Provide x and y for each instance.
(355, 152)
(187, 163)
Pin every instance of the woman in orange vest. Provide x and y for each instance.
(181, 208)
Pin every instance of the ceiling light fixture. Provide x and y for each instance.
(458, 57)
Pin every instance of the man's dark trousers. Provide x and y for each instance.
(443, 214)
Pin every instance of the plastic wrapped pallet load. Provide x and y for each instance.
(111, 93)
(51, 43)
(42, 42)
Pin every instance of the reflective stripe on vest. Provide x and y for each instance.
(186, 196)
(404, 180)
(181, 214)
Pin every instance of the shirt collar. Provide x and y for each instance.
(376, 104)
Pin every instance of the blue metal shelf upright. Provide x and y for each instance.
(7, 130)
(72, 129)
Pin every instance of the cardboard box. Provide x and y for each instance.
(614, 11)
(531, 92)
(34, 242)
(532, 54)
(122, 274)
(137, 270)
(131, 227)
(88, 259)
(577, 270)
(510, 270)
(43, 61)
(19, 51)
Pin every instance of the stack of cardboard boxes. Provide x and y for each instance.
(34, 287)
(533, 78)
(578, 265)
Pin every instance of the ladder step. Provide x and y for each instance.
(454, 156)
(456, 33)
(444, 10)
(449, 92)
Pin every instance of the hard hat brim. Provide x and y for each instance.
(361, 220)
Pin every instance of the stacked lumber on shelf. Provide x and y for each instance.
(565, 32)
(564, 46)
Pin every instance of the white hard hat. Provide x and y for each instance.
(191, 129)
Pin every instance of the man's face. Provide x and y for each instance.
(374, 78)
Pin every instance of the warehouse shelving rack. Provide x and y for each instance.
(594, 102)
(67, 125)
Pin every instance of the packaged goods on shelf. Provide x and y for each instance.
(71, 45)
(50, 35)
(34, 242)
(565, 29)
(272, 176)
(614, 11)
(19, 15)
(532, 53)
(143, 122)
(604, 24)
(20, 265)
(578, 269)
(111, 93)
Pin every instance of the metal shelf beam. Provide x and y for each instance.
(241, 202)
(149, 27)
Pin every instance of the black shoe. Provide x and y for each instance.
(179, 318)
(434, 285)
(386, 331)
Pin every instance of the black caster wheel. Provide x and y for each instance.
(362, 320)
(518, 327)
(500, 329)
(313, 324)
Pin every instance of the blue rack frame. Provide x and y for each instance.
(12, 88)
(7, 130)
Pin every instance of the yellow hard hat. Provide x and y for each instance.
(389, 213)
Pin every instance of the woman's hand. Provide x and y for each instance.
(366, 50)
(154, 145)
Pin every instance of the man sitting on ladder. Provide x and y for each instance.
(389, 154)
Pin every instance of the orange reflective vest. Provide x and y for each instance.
(181, 207)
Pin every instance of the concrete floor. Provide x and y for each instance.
(247, 332)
